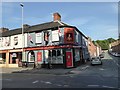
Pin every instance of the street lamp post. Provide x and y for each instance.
(22, 31)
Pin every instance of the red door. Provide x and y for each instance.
(39, 56)
(69, 59)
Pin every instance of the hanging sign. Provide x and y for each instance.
(69, 35)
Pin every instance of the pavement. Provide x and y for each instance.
(11, 70)
(55, 71)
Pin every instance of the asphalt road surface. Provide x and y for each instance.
(98, 76)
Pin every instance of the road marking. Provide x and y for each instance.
(45, 82)
(58, 84)
(75, 72)
(93, 85)
(118, 65)
(48, 82)
(107, 86)
(66, 85)
(102, 69)
(35, 81)
(85, 67)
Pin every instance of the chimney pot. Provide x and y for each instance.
(56, 16)
(26, 26)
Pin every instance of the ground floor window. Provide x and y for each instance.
(77, 55)
(55, 56)
(2, 58)
(15, 57)
(31, 56)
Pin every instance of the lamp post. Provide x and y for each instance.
(22, 30)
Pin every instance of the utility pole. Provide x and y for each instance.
(22, 31)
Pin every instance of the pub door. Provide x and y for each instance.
(69, 59)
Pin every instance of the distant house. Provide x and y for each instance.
(93, 48)
(115, 46)
(53, 42)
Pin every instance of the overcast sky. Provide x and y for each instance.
(98, 20)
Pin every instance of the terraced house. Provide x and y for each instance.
(53, 42)
(115, 46)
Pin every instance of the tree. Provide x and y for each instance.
(104, 44)
(110, 40)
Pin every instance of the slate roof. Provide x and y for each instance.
(34, 28)
(45, 26)
(38, 27)
(11, 32)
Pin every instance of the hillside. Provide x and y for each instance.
(105, 43)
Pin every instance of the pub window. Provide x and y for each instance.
(49, 53)
(58, 53)
(46, 37)
(53, 52)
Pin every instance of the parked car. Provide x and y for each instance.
(101, 55)
(117, 54)
(113, 53)
(96, 61)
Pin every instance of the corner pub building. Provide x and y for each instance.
(53, 42)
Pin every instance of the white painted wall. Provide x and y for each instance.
(25, 38)
(19, 40)
(98, 52)
(3, 45)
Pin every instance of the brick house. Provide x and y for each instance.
(93, 48)
(115, 46)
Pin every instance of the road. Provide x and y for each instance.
(99, 76)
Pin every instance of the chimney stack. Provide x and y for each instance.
(25, 26)
(56, 17)
(3, 29)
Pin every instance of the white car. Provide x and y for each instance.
(96, 60)
(117, 54)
